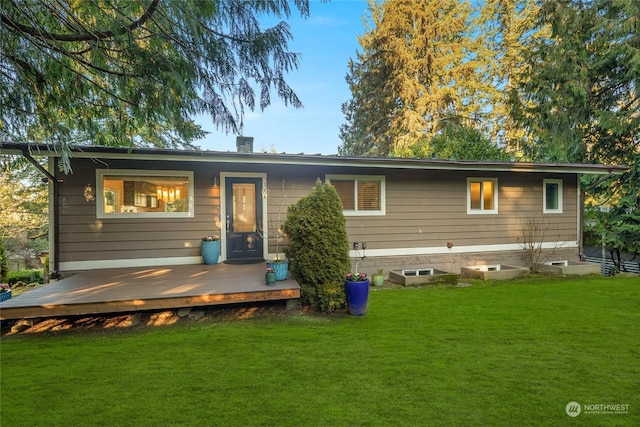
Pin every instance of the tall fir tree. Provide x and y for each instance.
(367, 129)
(505, 29)
(416, 71)
(580, 95)
(581, 100)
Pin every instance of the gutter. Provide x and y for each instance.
(99, 152)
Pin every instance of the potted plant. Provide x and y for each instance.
(270, 277)
(279, 265)
(210, 249)
(378, 277)
(5, 292)
(357, 292)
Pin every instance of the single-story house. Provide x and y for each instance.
(137, 207)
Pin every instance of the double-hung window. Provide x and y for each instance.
(482, 195)
(144, 193)
(360, 194)
(552, 195)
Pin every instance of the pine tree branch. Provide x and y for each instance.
(99, 35)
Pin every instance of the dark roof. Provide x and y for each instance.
(304, 159)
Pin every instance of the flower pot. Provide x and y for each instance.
(377, 279)
(281, 268)
(357, 297)
(5, 295)
(210, 250)
(270, 278)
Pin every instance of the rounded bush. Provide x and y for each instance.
(318, 247)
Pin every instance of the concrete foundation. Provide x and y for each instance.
(453, 262)
(494, 272)
(569, 268)
(436, 277)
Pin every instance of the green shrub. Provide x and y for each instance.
(318, 247)
(327, 298)
(26, 276)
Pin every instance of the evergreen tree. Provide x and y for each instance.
(24, 204)
(505, 29)
(581, 100)
(319, 247)
(415, 72)
(580, 96)
(132, 72)
(459, 143)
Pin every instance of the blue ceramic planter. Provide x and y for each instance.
(281, 269)
(357, 297)
(210, 250)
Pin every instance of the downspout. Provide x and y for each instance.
(55, 272)
(56, 210)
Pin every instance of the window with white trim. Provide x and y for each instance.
(129, 193)
(552, 195)
(482, 195)
(360, 194)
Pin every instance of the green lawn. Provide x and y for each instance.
(511, 353)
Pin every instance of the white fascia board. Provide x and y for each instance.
(155, 262)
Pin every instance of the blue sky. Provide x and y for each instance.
(326, 40)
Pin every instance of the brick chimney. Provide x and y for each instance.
(244, 144)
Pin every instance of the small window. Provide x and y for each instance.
(144, 194)
(360, 195)
(482, 196)
(552, 195)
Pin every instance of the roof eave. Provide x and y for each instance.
(307, 159)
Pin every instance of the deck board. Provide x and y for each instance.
(150, 288)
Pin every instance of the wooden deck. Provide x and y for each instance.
(138, 289)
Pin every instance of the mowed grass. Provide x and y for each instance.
(512, 353)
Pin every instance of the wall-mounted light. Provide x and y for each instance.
(89, 194)
(215, 186)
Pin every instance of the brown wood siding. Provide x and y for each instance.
(423, 209)
(296, 186)
(429, 209)
(84, 237)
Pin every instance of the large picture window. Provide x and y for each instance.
(360, 195)
(146, 194)
(482, 196)
(552, 195)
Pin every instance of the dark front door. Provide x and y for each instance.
(243, 198)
